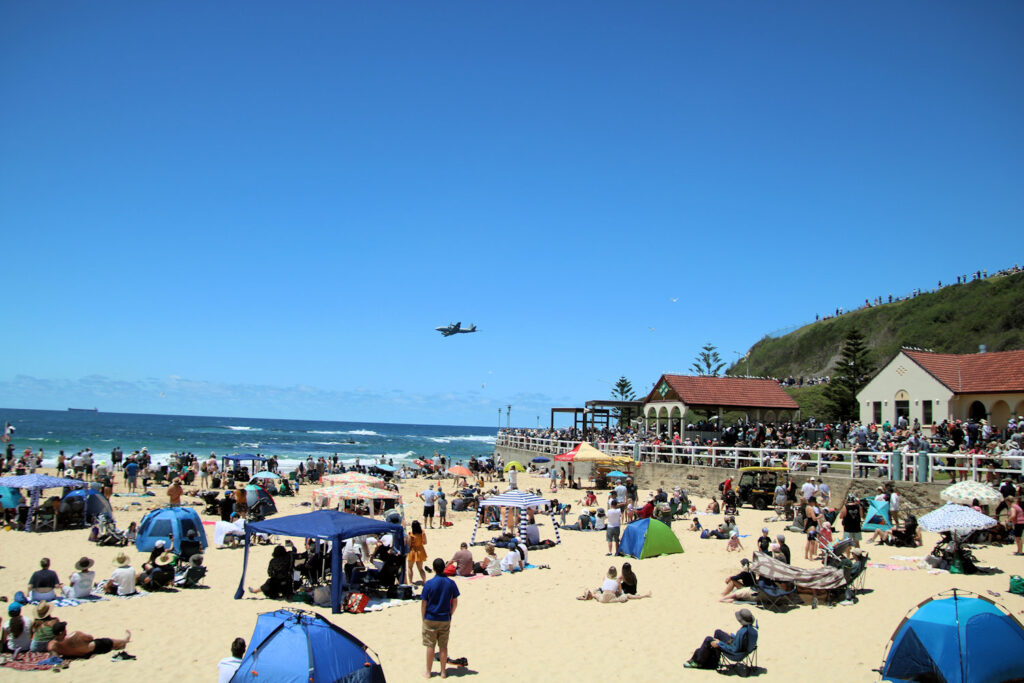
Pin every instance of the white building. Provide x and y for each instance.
(933, 387)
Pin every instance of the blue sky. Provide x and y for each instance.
(263, 209)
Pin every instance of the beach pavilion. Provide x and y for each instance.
(761, 400)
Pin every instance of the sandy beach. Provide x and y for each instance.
(527, 626)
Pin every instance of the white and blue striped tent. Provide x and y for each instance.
(522, 501)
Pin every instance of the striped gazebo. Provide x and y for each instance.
(522, 501)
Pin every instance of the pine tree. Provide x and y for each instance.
(623, 391)
(852, 373)
(708, 363)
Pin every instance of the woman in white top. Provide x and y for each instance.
(81, 583)
(17, 630)
(611, 590)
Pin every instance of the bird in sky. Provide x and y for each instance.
(675, 299)
(651, 329)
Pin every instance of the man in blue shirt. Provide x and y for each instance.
(438, 601)
(131, 472)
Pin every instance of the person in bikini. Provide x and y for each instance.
(80, 644)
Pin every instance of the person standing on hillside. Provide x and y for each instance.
(438, 602)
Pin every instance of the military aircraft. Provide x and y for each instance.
(455, 328)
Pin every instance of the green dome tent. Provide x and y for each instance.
(648, 538)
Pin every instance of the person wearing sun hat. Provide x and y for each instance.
(81, 582)
(161, 574)
(734, 645)
(42, 627)
(122, 581)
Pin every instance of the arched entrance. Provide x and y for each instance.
(1019, 410)
(977, 411)
(1000, 414)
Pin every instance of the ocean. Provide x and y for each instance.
(289, 440)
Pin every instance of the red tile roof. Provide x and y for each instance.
(974, 373)
(740, 392)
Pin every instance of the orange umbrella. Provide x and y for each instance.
(460, 471)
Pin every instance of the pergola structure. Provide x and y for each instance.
(598, 413)
(759, 399)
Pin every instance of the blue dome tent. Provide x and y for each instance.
(299, 647)
(957, 639)
(158, 525)
(95, 503)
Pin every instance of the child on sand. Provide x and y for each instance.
(734, 542)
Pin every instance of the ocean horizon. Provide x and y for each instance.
(290, 440)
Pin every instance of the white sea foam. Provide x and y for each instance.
(237, 428)
(337, 443)
(250, 445)
(448, 439)
(354, 432)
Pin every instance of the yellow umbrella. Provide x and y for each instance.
(587, 453)
(516, 464)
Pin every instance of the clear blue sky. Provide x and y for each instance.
(264, 208)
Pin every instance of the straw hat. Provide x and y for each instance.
(42, 609)
(83, 564)
(121, 559)
(165, 559)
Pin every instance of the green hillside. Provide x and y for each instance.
(954, 319)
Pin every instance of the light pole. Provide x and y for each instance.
(508, 417)
(538, 422)
(499, 418)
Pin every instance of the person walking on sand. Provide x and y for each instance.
(611, 533)
(438, 602)
(428, 497)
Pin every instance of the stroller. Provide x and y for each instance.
(729, 505)
(109, 534)
(212, 501)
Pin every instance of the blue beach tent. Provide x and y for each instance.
(159, 524)
(96, 503)
(34, 485)
(303, 647)
(648, 538)
(877, 516)
(323, 525)
(956, 639)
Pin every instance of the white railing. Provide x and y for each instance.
(854, 464)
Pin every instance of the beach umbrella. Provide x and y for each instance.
(335, 494)
(460, 471)
(615, 474)
(516, 464)
(541, 458)
(953, 517)
(265, 475)
(351, 478)
(965, 492)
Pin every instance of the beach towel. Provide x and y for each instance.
(378, 604)
(33, 661)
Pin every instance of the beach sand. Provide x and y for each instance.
(527, 626)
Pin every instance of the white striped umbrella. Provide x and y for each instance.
(966, 492)
(953, 517)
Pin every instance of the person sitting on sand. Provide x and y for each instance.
(279, 575)
(488, 565)
(80, 644)
(734, 542)
(736, 645)
(17, 631)
(513, 561)
(783, 549)
(227, 667)
(81, 582)
(628, 580)
(122, 581)
(611, 590)
(713, 508)
(43, 583)
(157, 551)
(160, 574)
(463, 560)
(745, 579)
(907, 536)
(695, 525)
(42, 627)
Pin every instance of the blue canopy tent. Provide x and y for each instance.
(324, 525)
(958, 639)
(877, 516)
(303, 647)
(36, 484)
(236, 461)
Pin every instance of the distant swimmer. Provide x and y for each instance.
(455, 328)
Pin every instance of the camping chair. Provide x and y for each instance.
(192, 577)
(188, 549)
(45, 518)
(741, 663)
(772, 597)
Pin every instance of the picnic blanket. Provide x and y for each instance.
(819, 578)
(378, 604)
(33, 661)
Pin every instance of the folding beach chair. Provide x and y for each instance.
(772, 597)
(742, 663)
